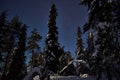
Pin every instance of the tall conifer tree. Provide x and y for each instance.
(2, 31)
(90, 51)
(101, 20)
(90, 43)
(11, 34)
(17, 67)
(6, 41)
(52, 45)
(34, 47)
(79, 51)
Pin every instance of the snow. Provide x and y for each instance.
(114, 73)
(30, 76)
(80, 61)
(34, 70)
(95, 54)
(76, 61)
(56, 77)
(82, 77)
(37, 77)
(109, 1)
(70, 78)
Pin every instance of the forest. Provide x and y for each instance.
(100, 57)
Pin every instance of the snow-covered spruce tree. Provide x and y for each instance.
(34, 48)
(90, 43)
(101, 19)
(52, 46)
(17, 67)
(89, 52)
(80, 52)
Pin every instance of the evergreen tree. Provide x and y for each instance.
(33, 41)
(36, 60)
(105, 51)
(22, 44)
(34, 47)
(116, 5)
(2, 25)
(90, 51)
(17, 67)
(15, 25)
(101, 20)
(11, 34)
(79, 51)
(67, 67)
(52, 45)
(90, 42)
(6, 40)
(98, 12)
(62, 59)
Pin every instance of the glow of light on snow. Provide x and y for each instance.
(37, 77)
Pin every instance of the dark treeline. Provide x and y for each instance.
(100, 57)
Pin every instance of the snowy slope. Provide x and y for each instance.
(34, 70)
(70, 78)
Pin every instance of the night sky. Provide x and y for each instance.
(35, 13)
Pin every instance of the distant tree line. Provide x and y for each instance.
(101, 56)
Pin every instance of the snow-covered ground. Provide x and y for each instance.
(65, 78)
(32, 76)
(29, 76)
(70, 78)
(57, 77)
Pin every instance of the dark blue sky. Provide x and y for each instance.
(35, 13)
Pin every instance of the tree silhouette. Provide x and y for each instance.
(90, 51)
(101, 20)
(9, 42)
(34, 47)
(17, 66)
(2, 31)
(79, 51)
(52, 46)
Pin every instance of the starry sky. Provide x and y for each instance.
(35, 13)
